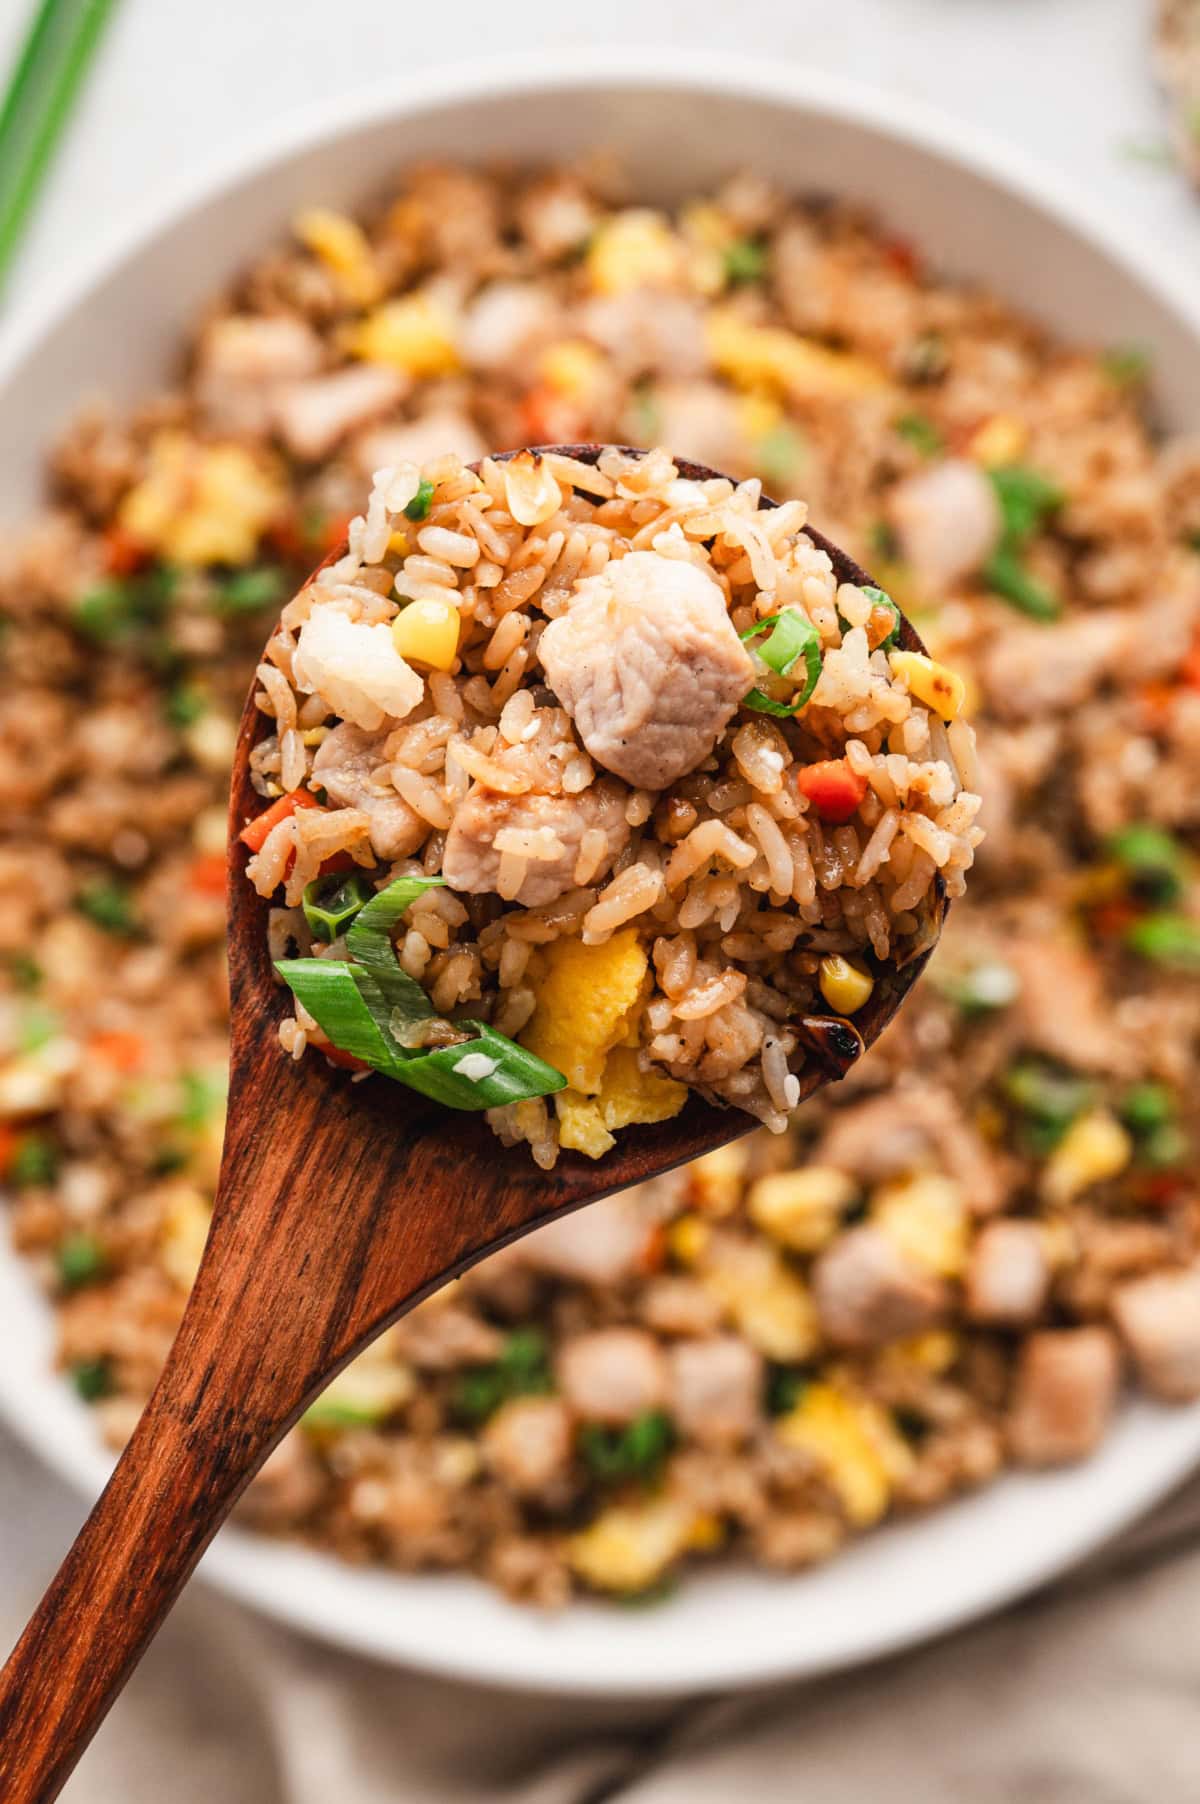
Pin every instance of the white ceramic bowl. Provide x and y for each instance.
(680, 122)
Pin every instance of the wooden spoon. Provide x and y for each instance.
(338, 1207)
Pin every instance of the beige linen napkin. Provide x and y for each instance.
(1088, 1694)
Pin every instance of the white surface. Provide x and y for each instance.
(1067, 79)
(1004, 222)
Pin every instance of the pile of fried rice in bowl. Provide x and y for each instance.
(948, 1263)
(529, 698)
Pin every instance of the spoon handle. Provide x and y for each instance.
(173, 1486)
(287, 1291)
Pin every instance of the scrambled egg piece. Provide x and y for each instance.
(584, 1003)
(926, 1218)
(854, 1442)
(801, 1209)
(630, 1545)
(767, 356)
(764, 1298)
(344, 249)
(202, 504)
(626, 1096)
(414, 335)
(634, 249)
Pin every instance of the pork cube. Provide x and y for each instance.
(648, 665)
(527, 1443)
(717, 1389)
(948, 522)
(1008, 1274)
(1159, 1320)
(1065, 1392)
(472, 863)
(867, 1292)
(613, 1374)
(313, 417)
(345, 767)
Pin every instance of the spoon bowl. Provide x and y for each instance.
(339, 1206)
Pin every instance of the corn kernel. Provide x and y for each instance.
(706, 1533)
(426, 632)
(344, 249)
(1094, 1147)
(631, 1545)
(925, 1216)
(934, 1352)
(635, 249)
(688, 1239)
(414, 334)
(1000, 440)
(844, 984)
(801, 1209)
(530, 488)
(939, 688)
(756, 356)
(399, 544)
(573, 369)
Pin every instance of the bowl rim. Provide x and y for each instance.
(238, 1563)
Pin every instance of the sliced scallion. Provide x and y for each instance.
(331, 904)
(1167, 939)
(792, 637)
(419, 506)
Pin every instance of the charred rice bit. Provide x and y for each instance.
(818, 1328)
(607, 698)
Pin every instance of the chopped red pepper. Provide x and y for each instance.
(123, 554)
(9, 1139)
(346, 1060)
(255, 832)
(337, 862)
(835, 791)
(207, 874)
(903, 257)
(124, 1051)
(1189, 670)
(1111, 919)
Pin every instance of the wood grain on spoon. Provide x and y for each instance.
(339, 1206)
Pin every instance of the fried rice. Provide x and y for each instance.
(921, 1281)
(537, 682)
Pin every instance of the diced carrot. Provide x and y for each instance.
(255, 832)
(903, 257)
(207, 874)
(334, 531)
(654, 1254)
(1156, 700)
(346, 1060)
(1159, 1189)
(336, 863)
(547, 418)
(286, 539)
(8, 1146)
(123, 554)
(834, 790)
(1189, 670)
(123, 1051)
(1110, 919)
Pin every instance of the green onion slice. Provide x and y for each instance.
(418, 507)
(362, 1003)
(792, 638)
(1006, 574)
(331, 903)
(1167, 939)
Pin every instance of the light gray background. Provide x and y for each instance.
(1069, 79)
(178, 79)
